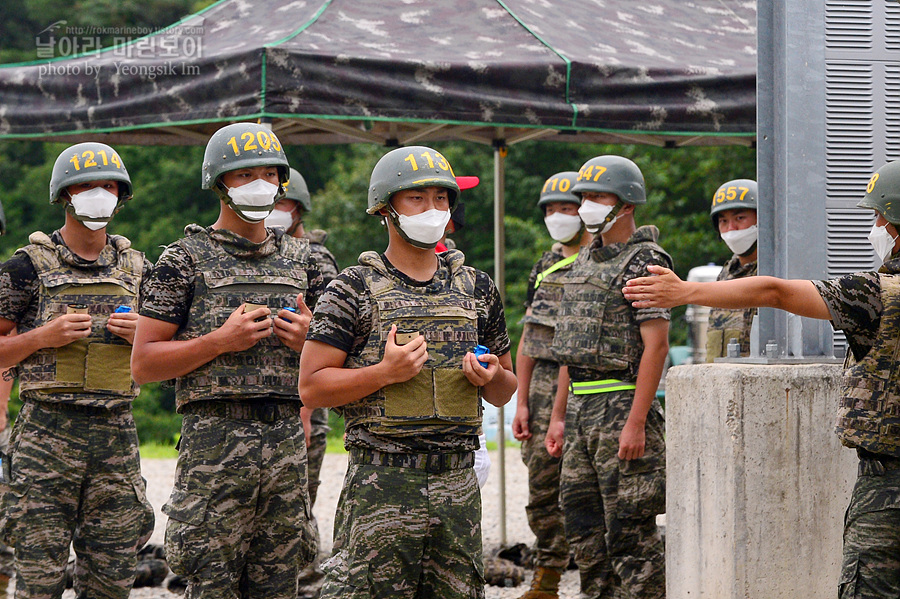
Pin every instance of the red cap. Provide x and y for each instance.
(467, 182)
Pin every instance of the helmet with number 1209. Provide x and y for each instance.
(409, 168)
(612, 174)
(89, 161)
(883, 192)
(242, 145)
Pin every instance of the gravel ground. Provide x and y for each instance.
(160, 476)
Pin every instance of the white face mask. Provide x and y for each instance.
(426, 228)
(563, 227)
(94, 208)
(593, 214)
(280, 218)
(882, 242)
(741, 240)
(254, 201)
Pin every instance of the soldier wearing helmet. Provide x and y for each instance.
(288, 214)
(866, 306)
(391, 348)
(538, 371)
(733, 214)
(72, 297)
(225, 315)
(611, 357)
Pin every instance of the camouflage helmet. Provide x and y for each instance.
(241, 145)
(409, 168)
(558, 188)
(295, 189)
(89, 161)
(883, 192)
(733, 195)
(612, 174)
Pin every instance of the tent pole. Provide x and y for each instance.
(500, 151)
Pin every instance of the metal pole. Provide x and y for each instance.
(500, 151)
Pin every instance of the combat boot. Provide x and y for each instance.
(544, 585)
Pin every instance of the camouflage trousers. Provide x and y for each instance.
(239, 518)
(544, 514)
(7, 560)
(404, 533)
(310, 579)
(610, 505)
(74, 476)
(871, 566)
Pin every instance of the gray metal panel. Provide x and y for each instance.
(829, 103)
(791, 163)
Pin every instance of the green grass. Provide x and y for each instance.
(154, 450)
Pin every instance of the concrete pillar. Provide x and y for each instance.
(757, 482)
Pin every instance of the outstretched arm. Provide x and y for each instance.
(666, 290)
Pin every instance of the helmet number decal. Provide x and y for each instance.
(591, 172)
(556, 184)
(438, 160)
(88, 158)
(729, 194)
(265, 140)
(871, 184)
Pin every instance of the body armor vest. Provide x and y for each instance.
(595, 325)
(869, 412)
(538, 327)
(440, 399)
(99, 364)
(222, 283)
(725, 325)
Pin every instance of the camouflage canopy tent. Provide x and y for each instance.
(676, 72)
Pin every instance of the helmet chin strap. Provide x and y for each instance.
(609, 218)
(395, 220)
(750, 251)
(576, 240)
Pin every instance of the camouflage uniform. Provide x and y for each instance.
(310, 580)
(409, 518)
(610, 505)
(73, 473)
(725, 325)
(866, 306)
(239, 518)
(544, 514)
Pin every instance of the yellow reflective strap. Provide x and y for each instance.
(554, 268)
(604, 386)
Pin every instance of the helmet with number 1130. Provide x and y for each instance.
(409, 168)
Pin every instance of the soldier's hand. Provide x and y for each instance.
(631, 441)
(661, 290)
(291, 327)
(403, 362)
(520, 428)
(243, 330)
(553, 441)
(65, 329)
(123, 324)
(477, 374)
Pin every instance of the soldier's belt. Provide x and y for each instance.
(59, 406)
(602, 386)
(251, 410)
(434, 463)
(876, 464)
